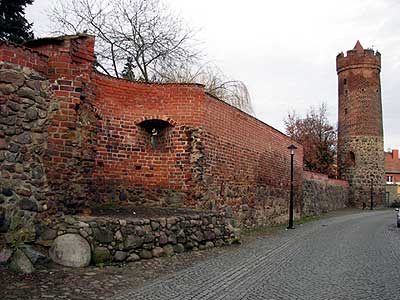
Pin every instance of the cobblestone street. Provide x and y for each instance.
(348, 257)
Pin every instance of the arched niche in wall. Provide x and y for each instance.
(351, 159)
(155, 133)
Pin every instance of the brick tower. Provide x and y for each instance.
(360, 132)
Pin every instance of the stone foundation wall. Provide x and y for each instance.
(367, 164)
(76, 241)
(321, 194)
(243, 165)
(25, 111)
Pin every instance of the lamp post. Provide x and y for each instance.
(291, 206)
(372, 193)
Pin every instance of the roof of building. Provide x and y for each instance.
(392, 162)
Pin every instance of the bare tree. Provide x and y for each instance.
(217, 84)
(142, 33)
(318, 137)
(140, 40)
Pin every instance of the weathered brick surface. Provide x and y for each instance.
(211, 155)
(360, 134)
(23, 56)
(126, 161)
(72, 135)
(246, 165)
(205, 154)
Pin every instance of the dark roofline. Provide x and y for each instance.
(54, 40)
(22, 46)
(149, 83)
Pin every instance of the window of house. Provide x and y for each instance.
(389, 179)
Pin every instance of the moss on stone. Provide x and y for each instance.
(101, 256)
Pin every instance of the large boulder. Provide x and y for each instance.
(70, 250)
(20, 263)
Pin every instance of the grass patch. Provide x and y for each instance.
(260, 230)
(263, 230)
(307, 219)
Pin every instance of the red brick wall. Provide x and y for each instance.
(243, 149)
(124, 153)
(247, 163)
(210, 155)
(70, 143)
(322, 177)
(23, 56)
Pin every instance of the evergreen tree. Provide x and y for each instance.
(13, 25)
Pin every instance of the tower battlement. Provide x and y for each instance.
(358, 57)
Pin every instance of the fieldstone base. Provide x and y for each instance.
(124, 240)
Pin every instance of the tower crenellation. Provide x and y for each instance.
(360, 128)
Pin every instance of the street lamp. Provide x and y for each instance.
(372, 193)
(291, 206)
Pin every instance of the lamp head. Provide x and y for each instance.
(292, 148)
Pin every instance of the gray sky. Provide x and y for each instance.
(285, 51)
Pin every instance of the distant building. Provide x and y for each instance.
(392, 167)
(392, 175)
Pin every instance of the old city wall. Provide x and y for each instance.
(322, 194)
(25, 114)
(97, 145)
(132, 164)
(209, 156)
(245, 166)
(46, 132)
(73, 131)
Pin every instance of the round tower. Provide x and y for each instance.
(360, 128)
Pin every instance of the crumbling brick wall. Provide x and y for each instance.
(111, 140)
(132, 164)
(72, 136)
(246, 165)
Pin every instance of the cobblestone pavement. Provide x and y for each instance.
(94, 283)
(348, 257)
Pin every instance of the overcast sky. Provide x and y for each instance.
(285, 51)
